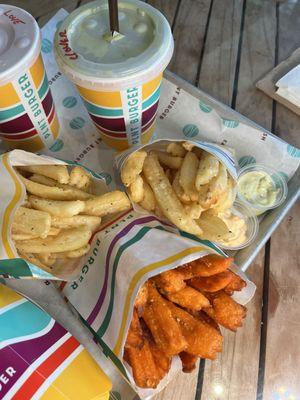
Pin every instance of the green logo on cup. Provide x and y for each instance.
(69, 101)
(77, 123)
(57, 145)
(230, 123)
(190, 130)
(205, 107)
(246, 160)
(46, 46)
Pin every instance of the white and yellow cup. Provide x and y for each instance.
(28, 119)
(118, 76)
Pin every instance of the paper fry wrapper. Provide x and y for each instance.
(39, 359)
(12, 197)
(123, 255)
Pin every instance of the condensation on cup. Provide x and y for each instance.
(118, 76)
(27, 114)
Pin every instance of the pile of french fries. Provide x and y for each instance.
(60, 214)
(185, 184)
(178, 312)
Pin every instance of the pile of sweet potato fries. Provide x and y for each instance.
(178, 312)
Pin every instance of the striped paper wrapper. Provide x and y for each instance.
(39, 359)
(124, 254)
(12, 197)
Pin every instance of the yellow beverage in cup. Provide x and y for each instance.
(118, 76)
(27, 114)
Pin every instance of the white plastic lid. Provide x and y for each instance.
(87, 56)
(20, 41)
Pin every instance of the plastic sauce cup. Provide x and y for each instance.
(119, 76)
(27, 115)
(242, 210)
(279, 184)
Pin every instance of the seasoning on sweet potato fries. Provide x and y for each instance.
(178, 312)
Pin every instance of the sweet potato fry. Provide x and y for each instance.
(164, 328)
(189, 298)
(211, 264)
(236, 283)
(188, 361)
(135, 335)
(225, 311)
(162, 361)
(141, 298)
(144, 370)
(202, 339)
(169, 281)
(211, 283)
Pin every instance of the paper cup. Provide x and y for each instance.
(27, 114)
(117, 77)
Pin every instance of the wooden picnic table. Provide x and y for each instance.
(224, 47)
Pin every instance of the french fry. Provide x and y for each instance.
(206, 198)
(76, 194)
(89, 221)
(202, 339)
(213, 227)
(43, 180)
(34, 260)
(175, 149)
(53, 231)
(194, 210)
(108, 203)
(46, 258)
(162, 361)
(132, 167)
(66, 240)
(187, 175)
(136, 190)
(183, 197)
(211, 283)
(189, 298)
(166, 197)
(188, 146)
(211, 264)
(226, 199)
(56, 207)
(225, 311)
(23, 236)
(172, 162)
(80, 178)
(164, 328)
(31, 222)
(148, 202)
(188, 361)
(54, 192)
(58, 172)
(208, 169)
(73, 253)
(218, 184)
